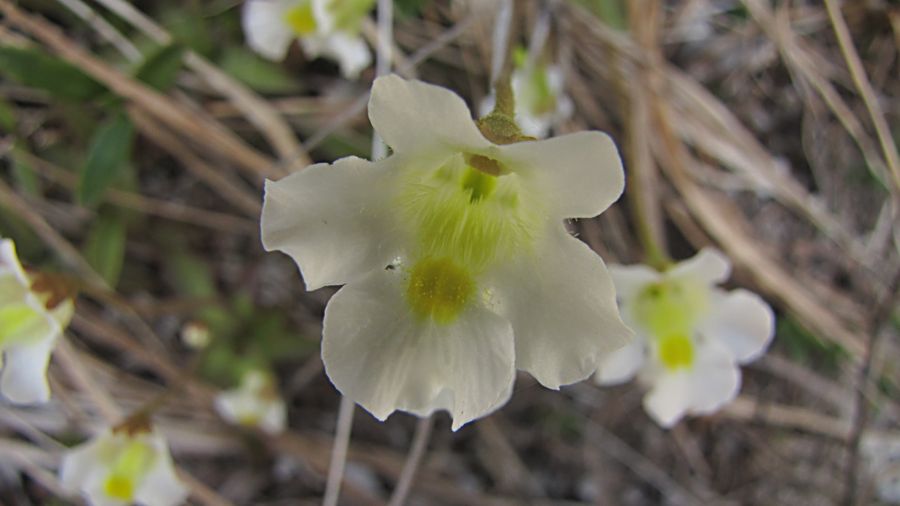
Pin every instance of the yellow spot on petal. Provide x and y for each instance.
(676, 351)
(301, 18)
(439, 289)
(19, 323)
(119, 487)
(128, 469)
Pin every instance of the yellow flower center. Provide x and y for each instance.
(469, 215)
(676, 351)
(439, 289)
(127, 470)
(301, 18)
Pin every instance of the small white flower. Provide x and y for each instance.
(118, 467)
(541, 102)
(195, 335)
(691, 335)
(454, 277)
(324, 27)
(254, 403)
(28, 330)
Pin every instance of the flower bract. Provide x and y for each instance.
(457, 264)
(324, 28)
(121, 467)
(254, 403)
(691, 335)
(540, 100)
(30, 324)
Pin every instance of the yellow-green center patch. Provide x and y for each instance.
(676, 351)
(301, 18)
(439, 289)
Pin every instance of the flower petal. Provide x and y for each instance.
(582, 172)
(629, 280)
(709, 266)
(351, 52)
(330, 219)
(713, 380)
(265, 29)
(742, 321)
(716, 379)
(668, 400)
(161, 486)
(563, 312)
(412, 116)
(24, 376)
(621, 365)
(381, 356)
(78, 466)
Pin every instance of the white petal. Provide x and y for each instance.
(330, 219)
(412, 116)
(582, 172)
(712, 381)
(62, 314)
(381, 356)
(562, 307)
(161, 486)
(9, 262)
(621, 365)
(709, 266)
(351, 52)
(265, 28)
(629, 280)
(81, 462)
(24, 375)
(742, 321)
(715, 379)
(274, 417)
(669, 398)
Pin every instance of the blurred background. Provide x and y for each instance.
(135, 138)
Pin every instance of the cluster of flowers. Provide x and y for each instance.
(458, 271)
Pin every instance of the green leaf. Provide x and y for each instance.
(109, 152)
(7, 117)
(24, 175)
(410, 8)
(160, 69)
(37, 69)
(105, 246)
(257, 73)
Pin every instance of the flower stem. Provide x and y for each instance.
(339, 453)
(416, 452)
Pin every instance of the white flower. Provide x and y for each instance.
(692, 336)
(324, 28)
(454, 277)
(118, 467)
(28, 330)
(540, 101)
(254, 403)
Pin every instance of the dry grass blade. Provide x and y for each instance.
(204, 133)
(257, 110)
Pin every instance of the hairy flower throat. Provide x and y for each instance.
(464, 213)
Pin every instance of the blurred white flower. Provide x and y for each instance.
(30, 323)
(195, 335)
(541, 103)
(457, 264)
(324, 27)
(120, 467)
(254, 403)
(691, 335)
